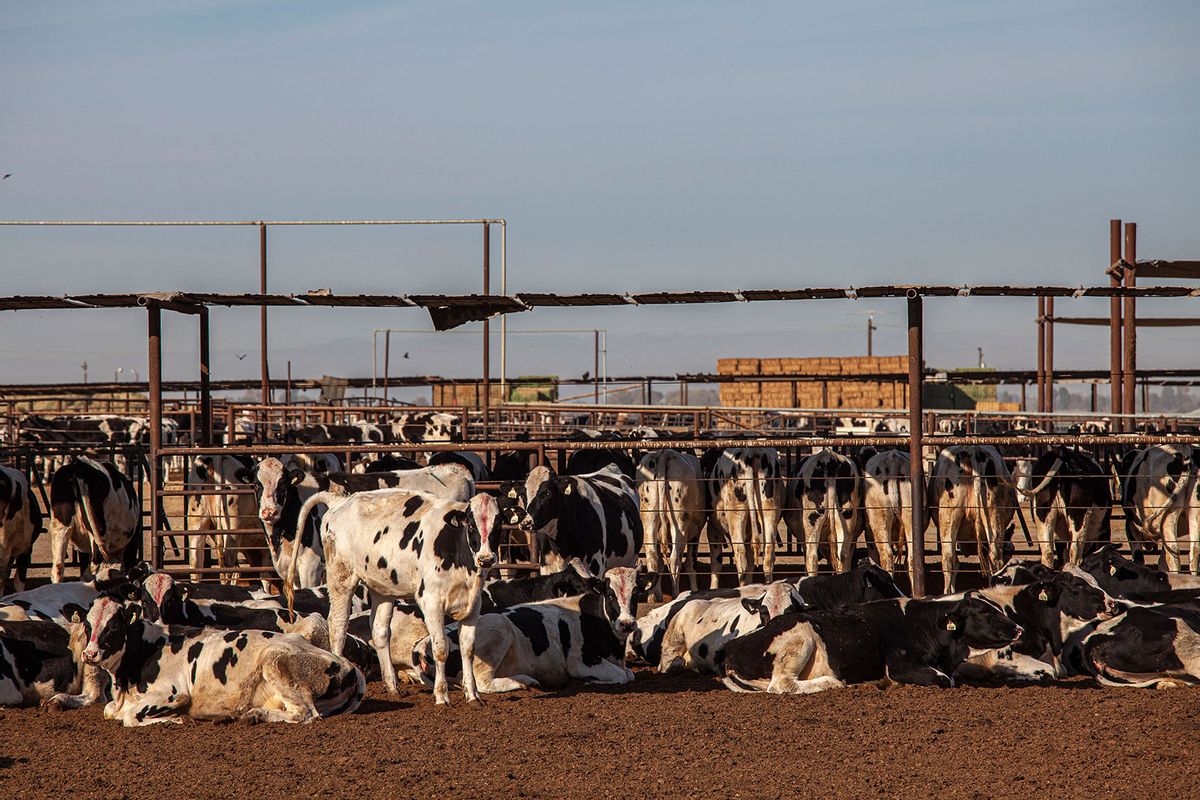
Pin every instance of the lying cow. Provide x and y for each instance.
(548, 644)
(20, 524)
(1123, 577)
(696, 637)
(907, 641)
(592, 517)
(671, 498)
(36, 662)
(1147, 646)
(414, 547)
(159, 675)
(95, 508)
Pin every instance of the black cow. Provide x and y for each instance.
(584, 462)
(909, 641)
(20, 524)
(389, 462)
(36, 662)
(1123, 577)
(1152, 646)
(1072, 501)
(94, 507)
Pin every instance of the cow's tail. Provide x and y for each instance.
(1181, 485)
(301, 521)
(756, 485)
(660, 481)
(983, 522)
(84, 510)
(892, 488)
(1051, 474)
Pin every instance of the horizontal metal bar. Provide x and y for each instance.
(211, 223)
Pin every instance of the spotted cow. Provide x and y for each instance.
(744, 493)
(825, 509)
(20, 524)
(93, 507)
(671, 496)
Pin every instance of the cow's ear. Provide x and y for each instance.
(183, 593)
(752, 604)
(295, 476)
(201, 471)
(244, 474)
(646, 581)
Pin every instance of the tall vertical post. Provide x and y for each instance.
(1041, 354)
(1049, 354)
(487, 331)
(1129, 396)
(262, 289)
(596, 368)
(205, 382)
(154, 375)
(287, 389)
(387, 358)
(916, 555)
(1114, 323)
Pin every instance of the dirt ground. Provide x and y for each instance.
(657, 738)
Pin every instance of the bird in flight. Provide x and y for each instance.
(7, 175)
(587, 374)
(406, 355)
(241, 356)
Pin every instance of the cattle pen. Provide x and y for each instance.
(662, 735)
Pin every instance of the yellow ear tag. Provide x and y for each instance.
(1044, 596)
(568, 489)
(512, 493)
(1112, 569)
(950, 626)
(133, 617)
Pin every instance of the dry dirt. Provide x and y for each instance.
(657, 738)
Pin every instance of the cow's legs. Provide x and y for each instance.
(381, 639)
(435, 621)
(1170, 534)
(768, 545)
(153, 707)
(812, 543)
(691, 549)
(716, 543)
(653, 549)
(1089, 528)
(949, 520)
(882, 525)
(790, 665)
(1046, 536)
(60, 540)
(466, 647)
(604, 672)
(342, 584)
(842, 548)
(740, 547)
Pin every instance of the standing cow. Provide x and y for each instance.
(673, 512)
(887, 502)
(744, 491)
(970, 488)
(1072, 501)
(94, 507)
(20, 524)
(825, 507)
(221, 515)
(1162, 495)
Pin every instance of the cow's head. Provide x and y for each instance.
(1114, 573)
(977, 624)
(162, 599)
(1020, 572)
(878, 583)
(544, 498)
(1072, 594)
(483, 530)
(621, 589)
(274, 486)
(110, 626)
(777, 599)
(202, 467)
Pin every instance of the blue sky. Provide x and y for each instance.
(631, 146)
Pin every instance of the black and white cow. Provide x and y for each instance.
(20, 524)
(413, 547)
(36, 662)
(907, 641)
(971, 491)
(387, 462)
(548, 644)
(1123, 577)
(825, 509)
(221, 515)
(591, 517)
(1072, 501)
(1161, 495)
(95, 508)
(887, 505)
(696, 637)
(1148, 646)
(863, 584)
(160, 674)
(745, 494)
(426, 426)
(673, 509)
(284, 510)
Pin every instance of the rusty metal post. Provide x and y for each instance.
(205, 382)
(1093, 404)
(154, 378)
(916, 555)
(262, 288)
(287, 392)
(1114, 323)
(387, 357)
(596, 368)
(1129, 396)
(1041, 354)
(1050, 355)
(487, 330)
(1022, 395)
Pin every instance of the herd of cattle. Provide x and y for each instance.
(388, 569)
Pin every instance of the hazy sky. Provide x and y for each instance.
(631, 146)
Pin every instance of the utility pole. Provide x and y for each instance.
(981, 364)
(83, 366)
(870, 335)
